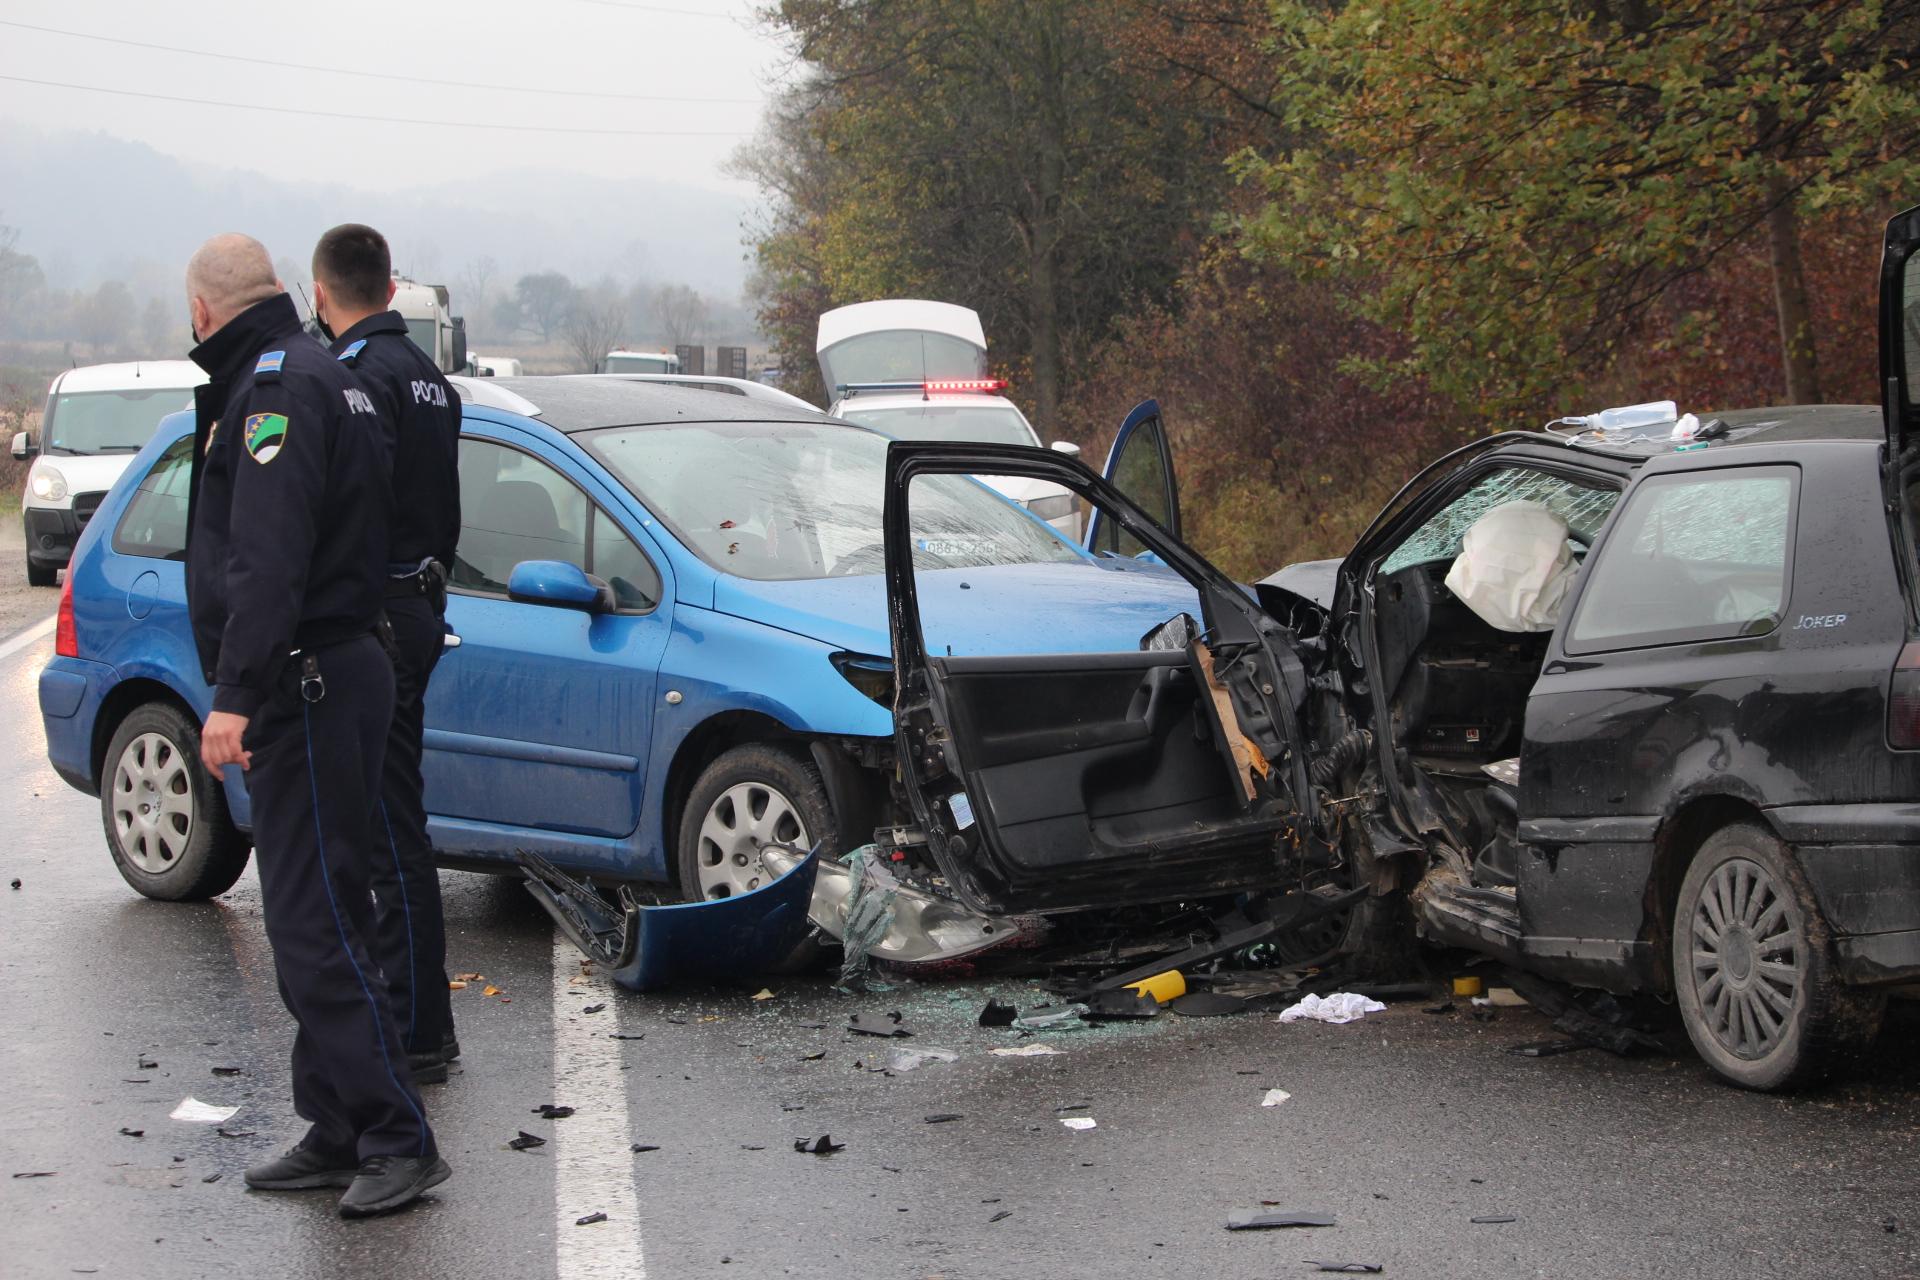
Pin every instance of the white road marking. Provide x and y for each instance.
(592, 1149)
(25, 639)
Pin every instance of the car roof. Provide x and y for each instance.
(586, 404)
(1779, 424)
(132, 375)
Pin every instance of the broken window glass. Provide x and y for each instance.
(1582, 504)
(1694, 557)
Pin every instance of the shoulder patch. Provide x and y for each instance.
(265, 434)
(269, 364)
(352, 352)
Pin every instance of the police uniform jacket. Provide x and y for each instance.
(287, 536)
(413, 395)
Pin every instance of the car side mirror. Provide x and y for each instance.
(555, 582)
(23, 445)
(1067, 447)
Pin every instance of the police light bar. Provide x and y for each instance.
(928, 387)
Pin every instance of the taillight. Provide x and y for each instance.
(65, 642)
(1903, 699)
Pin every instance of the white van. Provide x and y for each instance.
(640, 362)
(96, 419)
(917, 370)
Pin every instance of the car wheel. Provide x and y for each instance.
(165, 816)
(1753, 967)
(38, 576)
(749, 797)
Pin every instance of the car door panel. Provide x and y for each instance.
(1070, 780)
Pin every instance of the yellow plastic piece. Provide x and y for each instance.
(1164, 987)
(1467, 986)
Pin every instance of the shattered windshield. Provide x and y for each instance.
(784, 500)
(1583, 505)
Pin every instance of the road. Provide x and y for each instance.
(20, 604)
(1404, 1127)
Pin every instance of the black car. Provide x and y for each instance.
(1660, 735)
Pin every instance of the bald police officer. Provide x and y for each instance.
(352, 285)
(286, 564)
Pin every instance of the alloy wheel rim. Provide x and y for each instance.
(740, 823)
(1748, 960)
(152, 803)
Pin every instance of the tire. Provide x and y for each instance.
(1753, 968)
(749, 795)
(165, 816)
(40, 577)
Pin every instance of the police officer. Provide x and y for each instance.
(285, 560)
(352, 285)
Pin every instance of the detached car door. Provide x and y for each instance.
(539, 715)
(1166, 763)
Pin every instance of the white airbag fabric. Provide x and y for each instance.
(1514, 567)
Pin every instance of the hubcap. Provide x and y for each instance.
(1748, 958)
(152, 803)
(746, 817)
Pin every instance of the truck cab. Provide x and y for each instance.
(428, 311)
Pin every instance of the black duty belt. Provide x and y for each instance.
(427, 578)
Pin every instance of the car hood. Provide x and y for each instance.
(84, 472)
(1077, 607)
(1313, 580)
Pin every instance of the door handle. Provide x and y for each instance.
(450, 641)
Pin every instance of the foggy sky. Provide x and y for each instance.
(677, 49)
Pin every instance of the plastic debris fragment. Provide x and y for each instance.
(870, 911)
(194, 1111)
(1066, 1018)
(1080, 1123)
(1493, 1218)
(998, 1015)
(1350, 1268)
(890, 1025)
(548, 1111)
(640, 1148)
(1261, 1219)
(1275, 1097)
(945, 1117)
(1025, 1051)
(590, 1219)
(526, 1141)
(912, 1059)
(824, 1145)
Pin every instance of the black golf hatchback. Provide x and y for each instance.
(1632, 703)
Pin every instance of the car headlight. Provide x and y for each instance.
(48, 484)
(870, 675)
(1053, 508)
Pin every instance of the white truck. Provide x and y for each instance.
(640, 362)
(428, 311)
(917, 370)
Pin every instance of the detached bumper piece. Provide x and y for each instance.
(689, 943)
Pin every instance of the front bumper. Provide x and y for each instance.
(1863, 862)
(52, 531)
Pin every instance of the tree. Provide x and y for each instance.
(999, 155)
(475, 279)
(20, 278)
(679, 313)
(543, 298)
(1519, 182)
(595, 324)
(161, 330)
(106, 317)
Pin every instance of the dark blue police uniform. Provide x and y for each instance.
(285, 578)
(410, 935)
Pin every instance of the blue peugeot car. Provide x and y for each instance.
(668, 640)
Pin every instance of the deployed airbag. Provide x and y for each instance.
(1514, 568)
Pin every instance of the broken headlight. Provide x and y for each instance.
(870, 675)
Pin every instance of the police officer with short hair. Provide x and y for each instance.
(285, 578)
(352, 285)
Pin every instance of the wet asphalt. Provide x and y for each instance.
(1403, 1127)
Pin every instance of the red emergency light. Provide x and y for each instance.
(965, 384)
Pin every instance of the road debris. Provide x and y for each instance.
(1261, 1219)
(133, 1133)
(1275, 1097)
(548, 1111)
(763, 993)
(229, 1071)
(593, 1008)
(213, 1177)
(1546, 1048)
(526, 1141)
(626, 1035)
(1340, 1008)
(1116, 1006)
(1493, 1218)
(1067, 1018)
(1080, 1123)
(235, 1133)
(913, 1059)
(824, 1145)
(1350, 1268)
(997, 1014)
(1163, 988)
(1026, 1051)
(1001, 1216)
(944, 1117)
(590, 1219)
(38, 1173)
(641, 1148)
(193, 1111)
(144, 1063)
(891, 1025)
(1208, 1004)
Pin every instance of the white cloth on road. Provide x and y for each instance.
(1343, 1006)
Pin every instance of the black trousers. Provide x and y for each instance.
(410, 931)
(315, 772)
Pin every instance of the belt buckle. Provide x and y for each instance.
(313, 687)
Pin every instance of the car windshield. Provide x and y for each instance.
(784, 500)
(426, 335)
(990, 423)
(110, 421)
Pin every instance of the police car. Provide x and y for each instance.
(96, 419)
(917, 370)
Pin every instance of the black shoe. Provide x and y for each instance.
(303, 1169)
(450, 1047)
(386, 1183)
(428, 1068)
